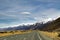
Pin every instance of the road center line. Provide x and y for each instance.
(39, 36)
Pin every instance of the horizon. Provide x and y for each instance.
(26, 24)
(19, 12)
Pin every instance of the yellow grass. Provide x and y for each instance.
(50, 34)
(13, 33)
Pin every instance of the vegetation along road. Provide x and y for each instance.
(34, 35)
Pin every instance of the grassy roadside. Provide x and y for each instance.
(8, 33)
(53, 35)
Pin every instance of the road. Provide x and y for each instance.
(35, 35)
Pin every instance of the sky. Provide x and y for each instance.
(16, 12)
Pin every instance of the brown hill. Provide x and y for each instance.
(50, 26)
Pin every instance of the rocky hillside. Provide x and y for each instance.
(50, 26)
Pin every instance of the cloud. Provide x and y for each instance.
(52, 13)
(47, 15)
(14, 12)
(48, 19)
(25, 13)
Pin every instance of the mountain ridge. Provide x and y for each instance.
(49, 26)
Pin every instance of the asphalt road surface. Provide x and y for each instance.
(35, 35)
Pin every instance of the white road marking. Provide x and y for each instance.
(5, 39)
(25, 38)
(39, 37)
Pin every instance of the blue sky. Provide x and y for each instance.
(15, 12)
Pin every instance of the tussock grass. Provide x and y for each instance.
(50, 34)
(14, 32)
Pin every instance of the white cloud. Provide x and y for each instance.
(39, 19)
(47, 15)
(46, 20)
(25, 13)
(22, 11)
(51, 13)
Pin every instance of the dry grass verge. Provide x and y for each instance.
(8, 33)
(50, 34)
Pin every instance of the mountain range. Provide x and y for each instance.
(49, 26)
